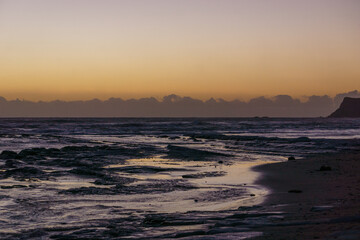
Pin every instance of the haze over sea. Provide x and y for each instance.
(148, 177)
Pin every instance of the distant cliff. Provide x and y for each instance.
(350, 107)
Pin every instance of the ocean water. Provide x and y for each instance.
(149, 178)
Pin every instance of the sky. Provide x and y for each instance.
(230, 49)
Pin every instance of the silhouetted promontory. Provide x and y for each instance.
(177, 106)
(350, 107)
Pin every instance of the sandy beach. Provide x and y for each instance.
(319, 196)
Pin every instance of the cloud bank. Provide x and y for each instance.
(177, 106)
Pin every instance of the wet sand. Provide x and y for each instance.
(318, 203)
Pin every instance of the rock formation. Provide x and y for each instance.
(350, 107)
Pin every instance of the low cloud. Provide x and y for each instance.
(177, 106)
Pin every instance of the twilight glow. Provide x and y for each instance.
(202, 48)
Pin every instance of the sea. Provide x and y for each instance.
(149, 178)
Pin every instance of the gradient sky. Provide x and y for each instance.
(82, 49)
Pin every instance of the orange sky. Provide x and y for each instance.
(200, 48)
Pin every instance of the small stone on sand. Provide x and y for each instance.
(325, 168)
(295, 191)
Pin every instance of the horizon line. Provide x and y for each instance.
(161, 99)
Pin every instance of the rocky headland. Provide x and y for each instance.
(350, 107)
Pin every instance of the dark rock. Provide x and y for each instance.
(205, 174)
(8, 155)
(249, 215)
(194, 139)
(174, 137)
(163, 136)
(88, 191)
(248, 208)
(155, 220)
(159, 186)
(325, 168)
(295, 191)
(350, 107)
(32, 152)
(190, 234)
(291, 158)
(12, 186)
(178, 152)
(146, 169)
(114, 180)
(25, 172)
(32, 234)
(87, 171)
(11, 163)
(302, 139)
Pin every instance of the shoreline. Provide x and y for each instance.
(319, 197)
